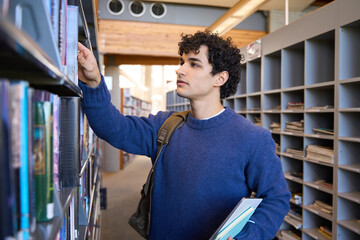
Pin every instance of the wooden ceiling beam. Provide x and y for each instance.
(155, 39)
(110, 59)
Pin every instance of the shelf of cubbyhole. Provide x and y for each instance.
(240, 105)
(293, 169)
(347, 218)
(321, 142)
(349, 51)
(349, 97)
(272, 102)
(291, 117)
(320, 59)
(317, 120)
(294, 95)
(312, 223)
(296, 189)
(253, 103)
(320, 99)
(253, 76)
(270, 118)
(272, 71)
(349, 126)
(292, 66)
(291, 142)
(241, 89)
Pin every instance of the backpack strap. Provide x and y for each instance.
(165, 132)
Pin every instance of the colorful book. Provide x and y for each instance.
(71, 43)
(237, 219)
(7, 192)
(43, 160)
(19, 103)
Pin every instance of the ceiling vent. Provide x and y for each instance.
(115, 7)
(137, 8)
(158, 10)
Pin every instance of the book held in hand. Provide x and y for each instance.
(237, 219)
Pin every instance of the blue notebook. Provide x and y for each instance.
(237, 219)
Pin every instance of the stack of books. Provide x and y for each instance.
(288, 235)
(295, 126)
(320, 153)
(274, 126)
(295, 105)
(295, 152)
(294, 219)
(324, 183)
(326, 231)
(277, 144)
(324, 207)
(257, 121)
(296, 198)
(324, 131)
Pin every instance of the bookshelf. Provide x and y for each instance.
(313, 64)
(31, 58)
(176, 103)
(134, 106)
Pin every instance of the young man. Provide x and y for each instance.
(216, 158)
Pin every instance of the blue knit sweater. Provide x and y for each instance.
(207, 167)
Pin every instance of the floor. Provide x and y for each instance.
(123, 194)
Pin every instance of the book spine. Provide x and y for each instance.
(7, 199)
(71, 42)
(43, 161)
(24, 166)
(62, 31)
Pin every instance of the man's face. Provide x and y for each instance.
(194, 78)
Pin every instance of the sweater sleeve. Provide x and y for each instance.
(265, 177)
(130, 133)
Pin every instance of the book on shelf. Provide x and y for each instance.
(294, 126)
(320, 153)
(237, 219)
(317, 108)
(295, 174)
(54, 17)
(295, 152)
(62, 31)
(8, 219)
(275, 126)
(288, 235)
(293, 221)
(296, 198)
(322, 206)
(20, 153)
(295, 105)
(43, 126)
(325, 231)
(324, 131)
(323, 183)
(71, 67)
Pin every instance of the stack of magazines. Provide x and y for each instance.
(294, 219)
(274, 126)
(295, 126)
(320, 153)
(326, 208)
(295, 152)
(288, 235)
(295, 105)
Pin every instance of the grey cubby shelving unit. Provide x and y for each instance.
(29, 52)
(176, 103)
(316, 61)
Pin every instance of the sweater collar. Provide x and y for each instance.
(212, 122)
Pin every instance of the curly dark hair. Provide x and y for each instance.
(222, 55)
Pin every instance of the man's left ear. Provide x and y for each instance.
(221, 78)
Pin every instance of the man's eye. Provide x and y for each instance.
(194, 65)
